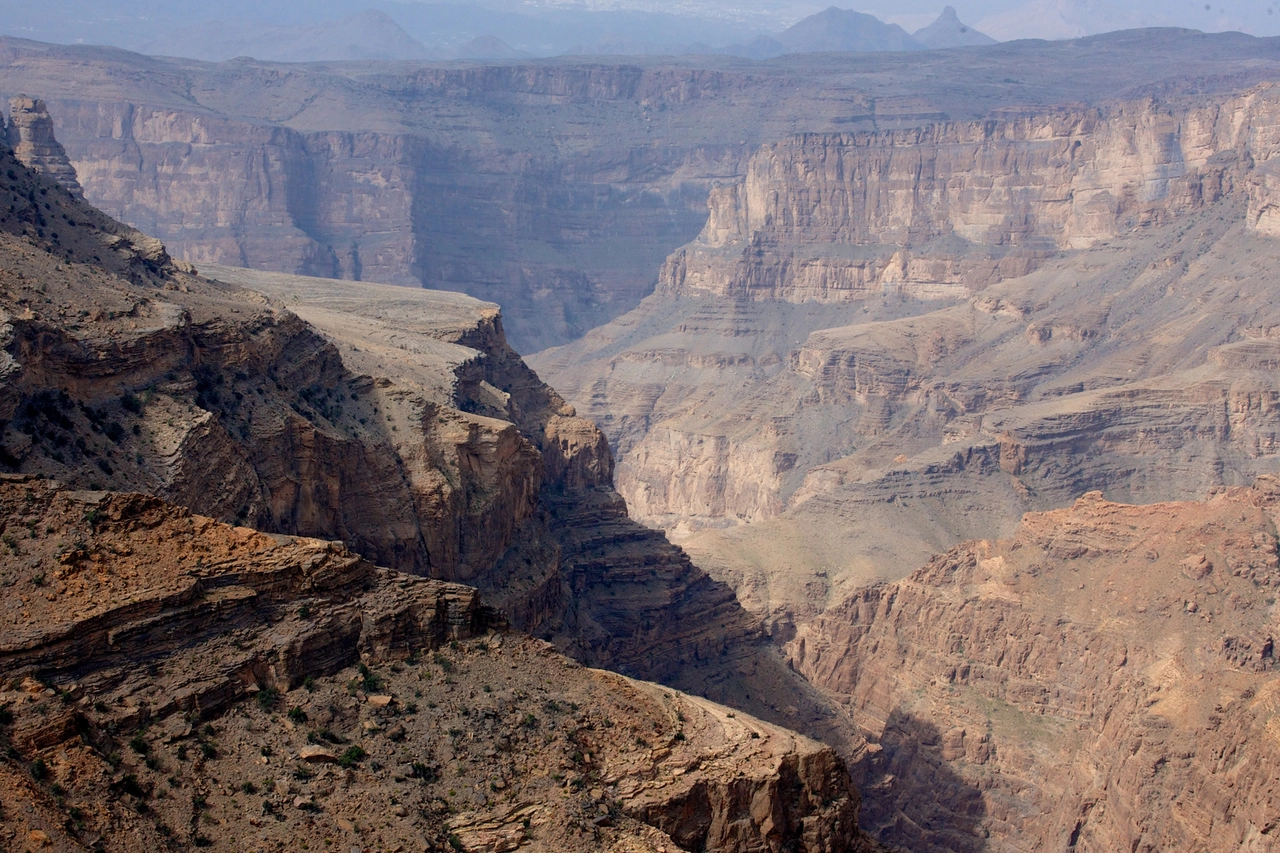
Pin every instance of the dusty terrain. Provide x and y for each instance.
(554, 188)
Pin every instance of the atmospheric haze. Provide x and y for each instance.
(308, 30)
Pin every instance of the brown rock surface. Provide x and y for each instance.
(1103, 680)
(167, 679)
(200, 392)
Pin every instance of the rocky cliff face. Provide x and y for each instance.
(554, 189)
(789, 432)
(946, 210)
(170, 680)
(400, 422)
(212, 398)
(1100, 681)
(175, 638)
(30, 135)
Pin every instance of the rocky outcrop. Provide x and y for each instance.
(1099, 681)
(30, 135)
(577, 570)
(151, 653)
(397, 420)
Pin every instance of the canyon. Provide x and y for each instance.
(555, 189)
(178, 443)
(940, 330)
(1005, 314)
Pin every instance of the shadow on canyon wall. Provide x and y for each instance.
(912, 799)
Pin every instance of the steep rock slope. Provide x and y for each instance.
(447, 458)
(1103, 680)
(578, 571)
(172, 682)
(554, 189)
(865, 341)
(154, 379)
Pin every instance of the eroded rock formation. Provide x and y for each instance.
(400, 423)
(30, 135)
(1103, 680)
(172, 680)
(789, 420)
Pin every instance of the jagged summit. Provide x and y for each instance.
(950, 31)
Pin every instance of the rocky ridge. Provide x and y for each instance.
(1102, 680)
(169, 681)
(449, 458)
(126, 373)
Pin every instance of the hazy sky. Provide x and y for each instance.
(1015, 18)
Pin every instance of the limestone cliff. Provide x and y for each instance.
(790, 433)
(553, 188)
(30, 135)
(1103, 680)
(946, 210)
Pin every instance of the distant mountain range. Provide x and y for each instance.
(370, 34)
(846, 31)
(315, 30)
(326, 30)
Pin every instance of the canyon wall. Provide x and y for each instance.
(1101, 681)
(945, 210)
(555, 189)
(785, 368)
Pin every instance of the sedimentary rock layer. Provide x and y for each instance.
(400, 423)
(30, 135)
(553, 188)
(172, 680)
(948, 209)
(828, 419)
(1103, 680)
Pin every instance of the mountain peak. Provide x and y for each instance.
(950, 31)
(844, 30)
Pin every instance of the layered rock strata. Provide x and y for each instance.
(948, 209)
(156, 380)
(1102, 680)
(169, 680)
(400, 423)
(578, 570)
(788, 432)
(30, 135)
(554, 189)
